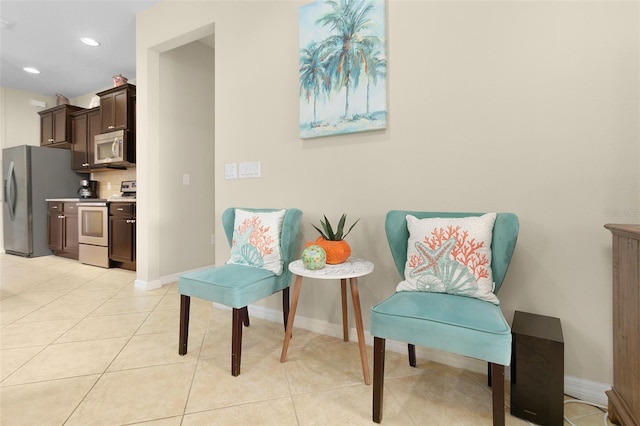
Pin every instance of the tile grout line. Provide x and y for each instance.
(105, 371)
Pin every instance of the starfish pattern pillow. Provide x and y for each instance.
(450, 255)
(256, 240)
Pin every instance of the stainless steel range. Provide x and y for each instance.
(93, 232)
(93, 226)
(128, 189)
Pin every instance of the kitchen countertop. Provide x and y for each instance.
(122, 200)
(92, 200)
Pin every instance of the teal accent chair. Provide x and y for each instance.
(447, 322)
(237, 286)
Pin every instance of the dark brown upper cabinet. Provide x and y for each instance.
(55, 126)
(85, 125)
(118, 108)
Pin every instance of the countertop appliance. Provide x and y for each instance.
(88, 189)
(31, 174)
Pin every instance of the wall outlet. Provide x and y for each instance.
(186, 179)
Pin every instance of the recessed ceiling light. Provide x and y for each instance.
(31, 70)
(89, 41)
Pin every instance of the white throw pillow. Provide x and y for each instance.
(256, 240)
(450, 255)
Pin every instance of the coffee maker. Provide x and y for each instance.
(88, 188)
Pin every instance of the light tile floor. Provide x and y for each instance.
(80, 346)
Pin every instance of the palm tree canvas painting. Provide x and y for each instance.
(343, 84)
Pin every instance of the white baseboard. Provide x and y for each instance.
(576, 387)
(147, 285)
(586, 390)
(335, 330)
(167, 279)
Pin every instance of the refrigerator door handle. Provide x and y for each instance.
(9, 195)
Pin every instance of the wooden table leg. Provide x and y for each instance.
(345, 317)
(357, 313)
(292, 315)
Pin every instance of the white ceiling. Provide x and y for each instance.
(45, 34)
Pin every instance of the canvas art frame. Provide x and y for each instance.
(342, 67)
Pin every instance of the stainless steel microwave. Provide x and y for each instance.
(112, 148)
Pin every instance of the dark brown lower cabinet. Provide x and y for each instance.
(63, 229)
(122, 234)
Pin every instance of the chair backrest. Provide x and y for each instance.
(289, 238)
(505, 234)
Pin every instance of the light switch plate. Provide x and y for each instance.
(249, 170)
(231, 171)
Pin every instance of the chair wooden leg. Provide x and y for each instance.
(285, 306)
(412, 354)
(245, 314)
(185, 303)
(236, 340)
(497, 374)
(378, 377)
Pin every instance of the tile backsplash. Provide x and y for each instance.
(113, 177)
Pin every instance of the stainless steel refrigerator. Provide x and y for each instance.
(31, 174)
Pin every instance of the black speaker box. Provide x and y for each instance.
(537, 369)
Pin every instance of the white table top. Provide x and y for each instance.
(352, 268)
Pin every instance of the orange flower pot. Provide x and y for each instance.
(337, 251)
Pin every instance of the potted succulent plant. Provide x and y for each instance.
(333, 243)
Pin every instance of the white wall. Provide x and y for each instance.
(529, 107)
(19, 119)
(187, 148)
(19, 124)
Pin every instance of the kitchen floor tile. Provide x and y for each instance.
(104, 327)
(153, 349)
(323, 366)
(23, 334)
(63, 308)
(43, 403)
(136, 395)
(68, 360)
(90, 348)
(261, 379)
(12, 359)
(126, 305)
(275, 412)
(347, 405)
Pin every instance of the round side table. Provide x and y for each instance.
(349, 270)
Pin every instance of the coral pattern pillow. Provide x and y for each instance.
(256, 240)
(450, 255)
